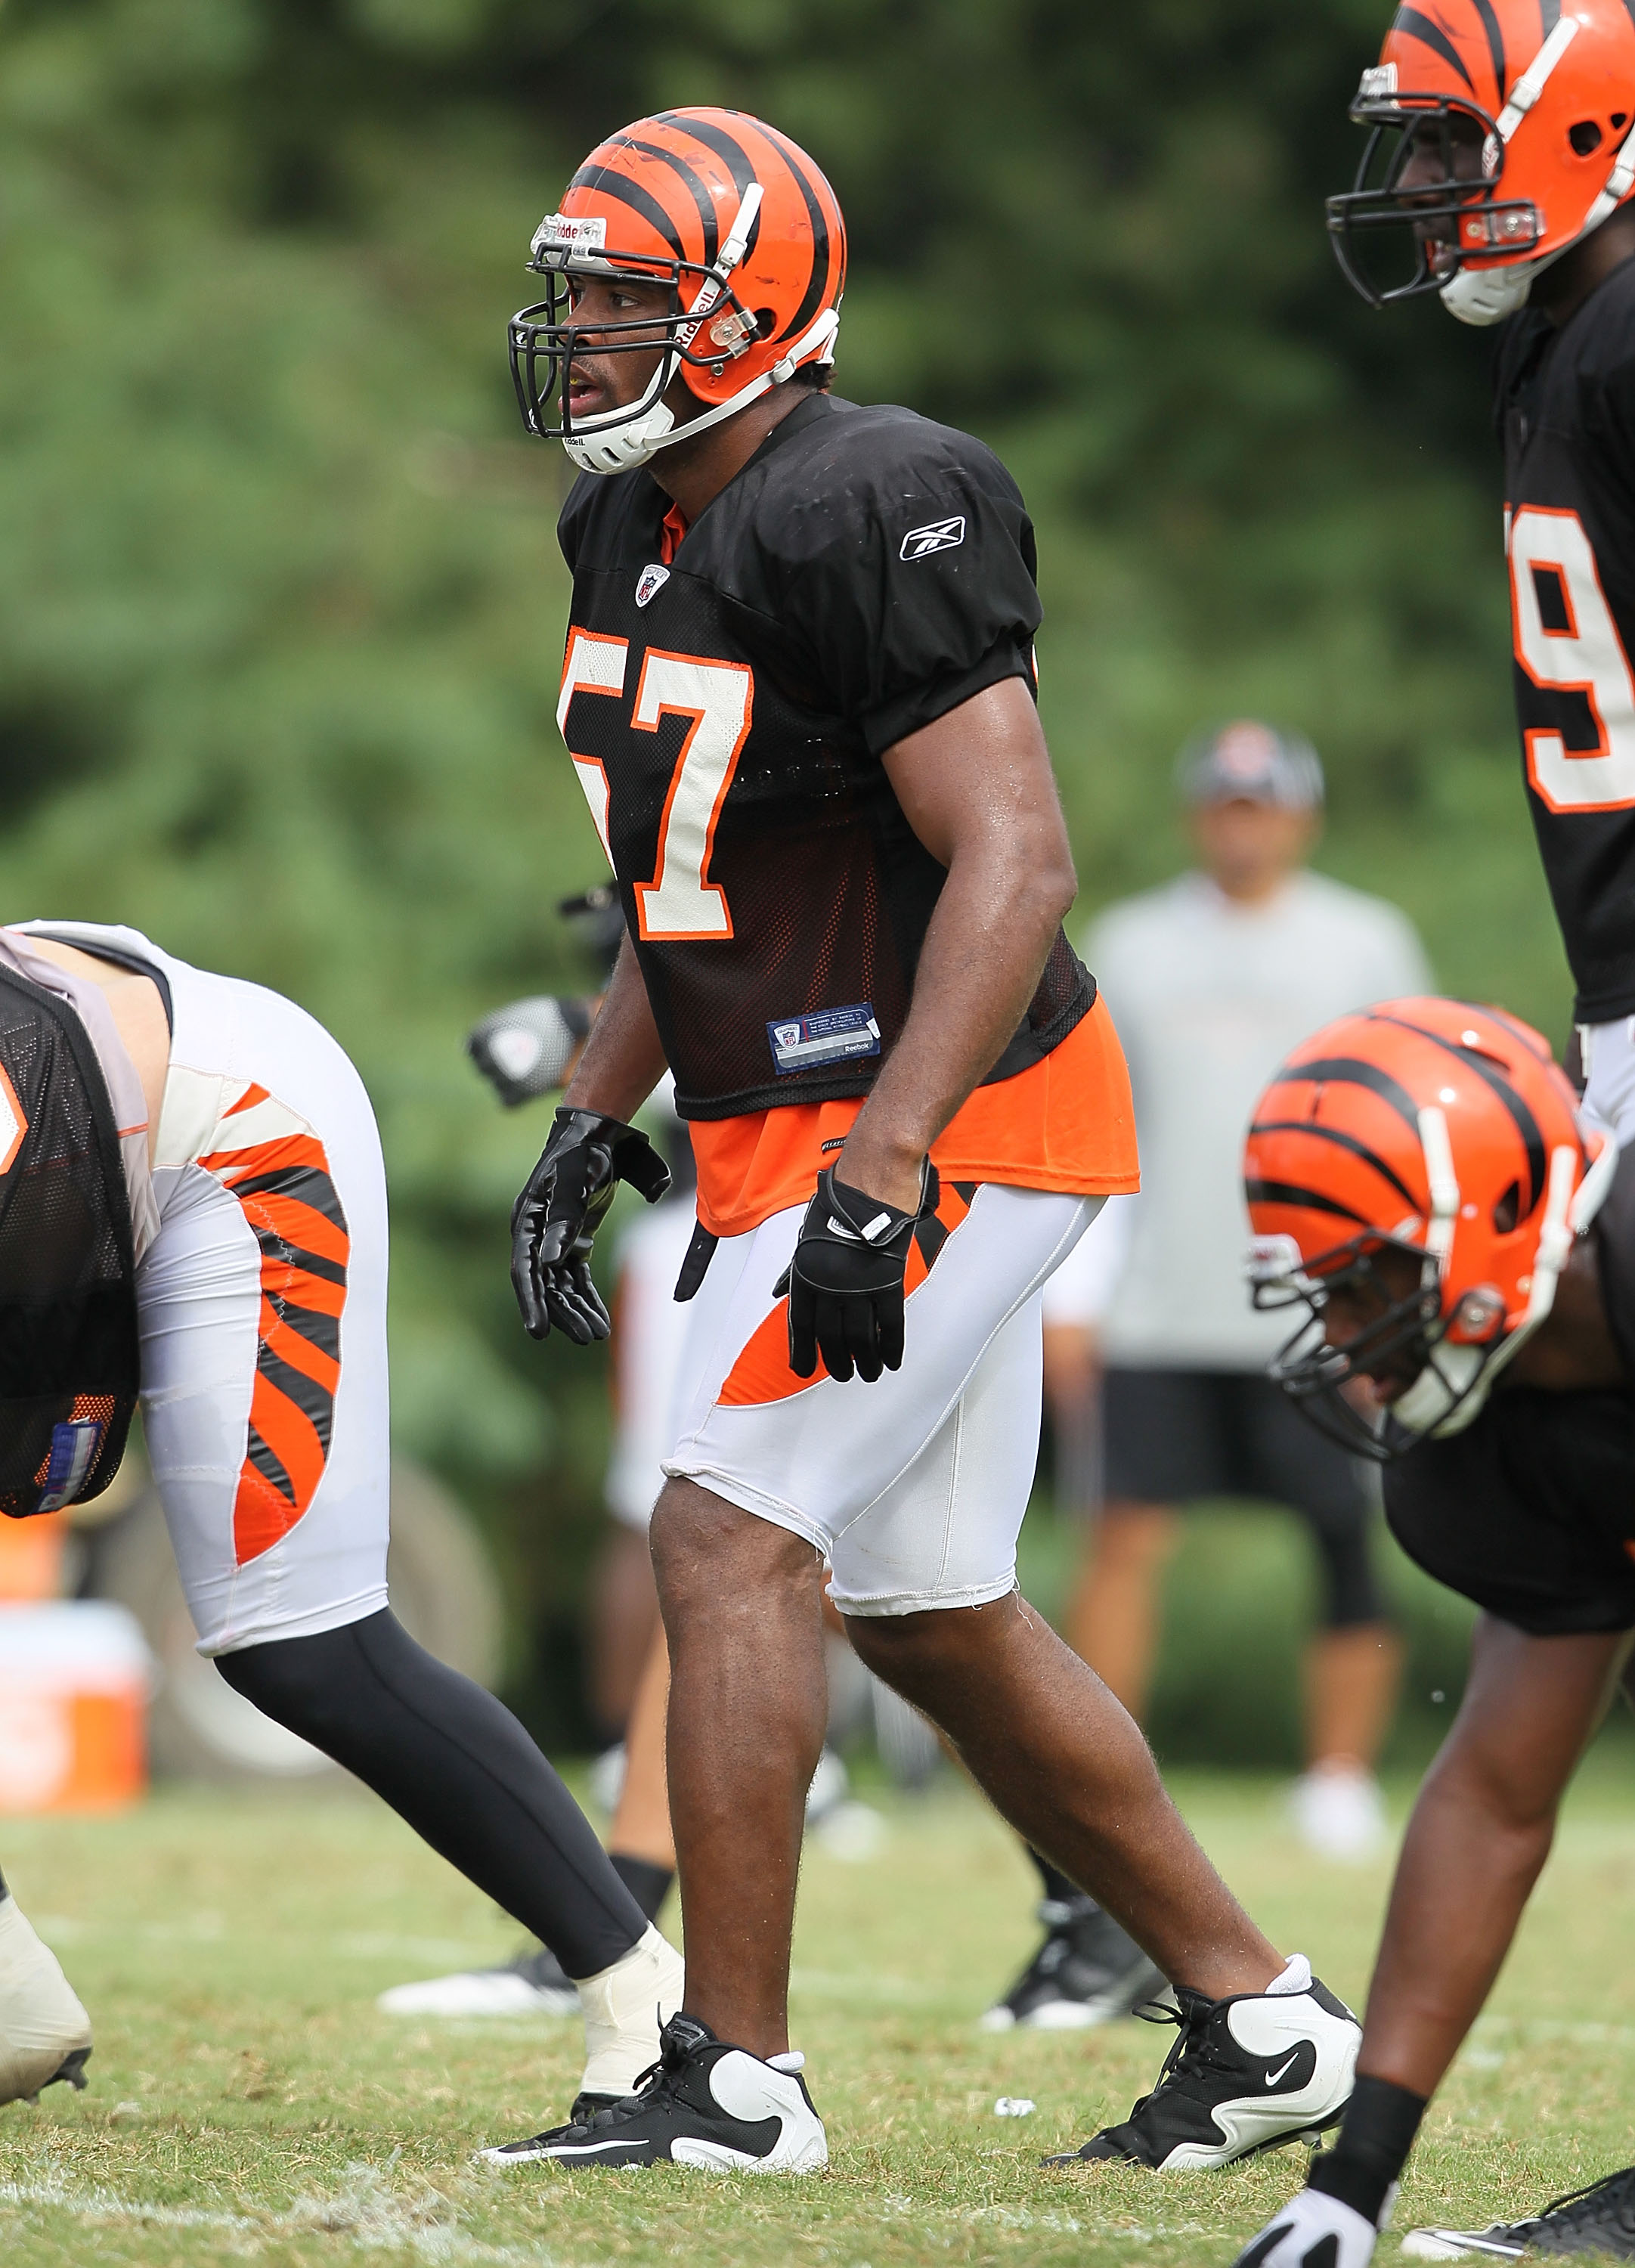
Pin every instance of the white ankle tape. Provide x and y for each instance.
(792, 2059)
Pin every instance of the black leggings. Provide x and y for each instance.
(457, 1765)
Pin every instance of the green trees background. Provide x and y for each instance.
(280, 605)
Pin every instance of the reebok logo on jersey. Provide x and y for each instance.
(650, 582)
(936, 535)
(13, 1123)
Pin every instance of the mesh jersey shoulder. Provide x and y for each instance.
(849, 476)
(1580, 379)
(898, 552)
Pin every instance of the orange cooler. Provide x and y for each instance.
(75, 1676)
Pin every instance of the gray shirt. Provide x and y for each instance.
(1209, 996)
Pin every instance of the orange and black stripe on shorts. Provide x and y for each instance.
(762, 1371)
(284, 1187)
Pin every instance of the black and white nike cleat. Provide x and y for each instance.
(705, 2103)
(1599, 2219)
(1087, 1972)
(1245, 2074)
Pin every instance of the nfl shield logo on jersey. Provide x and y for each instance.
(650, 580)
(936, 535)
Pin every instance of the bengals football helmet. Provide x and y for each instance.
(1441, 1133)
(744, 231)
(1500, 133)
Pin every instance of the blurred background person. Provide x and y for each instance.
(1212, 977)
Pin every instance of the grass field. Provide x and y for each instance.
(247, 2101)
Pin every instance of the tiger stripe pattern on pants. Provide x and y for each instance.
(275, 1167)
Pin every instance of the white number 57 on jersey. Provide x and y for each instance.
(1578, 651)
(679, 901)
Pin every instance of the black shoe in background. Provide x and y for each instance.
(1087, 1972)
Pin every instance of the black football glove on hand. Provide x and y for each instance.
(845, 1281)
(554, 1220)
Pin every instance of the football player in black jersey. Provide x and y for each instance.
(1461, 1250)
(798, 694)
(1501, 152)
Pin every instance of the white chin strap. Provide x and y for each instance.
(1451, 1390)
(1485, 295)
(629, 438)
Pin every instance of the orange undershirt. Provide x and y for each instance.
(1065, 1124)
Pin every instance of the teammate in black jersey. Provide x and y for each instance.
(1501, 151)
(1461, 1250)
(798, 694)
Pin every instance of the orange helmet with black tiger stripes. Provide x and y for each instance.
(1502, 131)
(1443, 1131)
(748, 235)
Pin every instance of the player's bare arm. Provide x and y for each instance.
(623, 1059)
(978, 791)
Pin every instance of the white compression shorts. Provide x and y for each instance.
(913, 1488)
(261, 1307)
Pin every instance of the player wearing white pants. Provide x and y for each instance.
(915, 1491)
(257, 1208)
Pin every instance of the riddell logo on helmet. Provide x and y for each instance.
(13, 1124)
(557, 232)
(1377, 84)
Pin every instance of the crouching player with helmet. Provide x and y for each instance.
(1461, 1249)
(192, 1212)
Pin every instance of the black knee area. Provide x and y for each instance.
(455, 1763)
(309, 1685)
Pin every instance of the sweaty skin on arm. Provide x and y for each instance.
(1480, 1833)
(977, 789)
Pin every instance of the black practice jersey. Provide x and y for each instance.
(1566, 418)
(1531, 1510)
(864, 573)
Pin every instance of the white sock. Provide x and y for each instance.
(1296, 1977)
(624, 2005)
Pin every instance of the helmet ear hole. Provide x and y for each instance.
(766, 321)
(1507, 1211)
(1619, 121)
(1585, 136)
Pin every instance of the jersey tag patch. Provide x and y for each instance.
(650, 582)
(832, 1035)
(74, 1448)
(936, 535)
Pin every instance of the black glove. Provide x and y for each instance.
(845, 1281)
(524, 1048)
(559, 1212)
